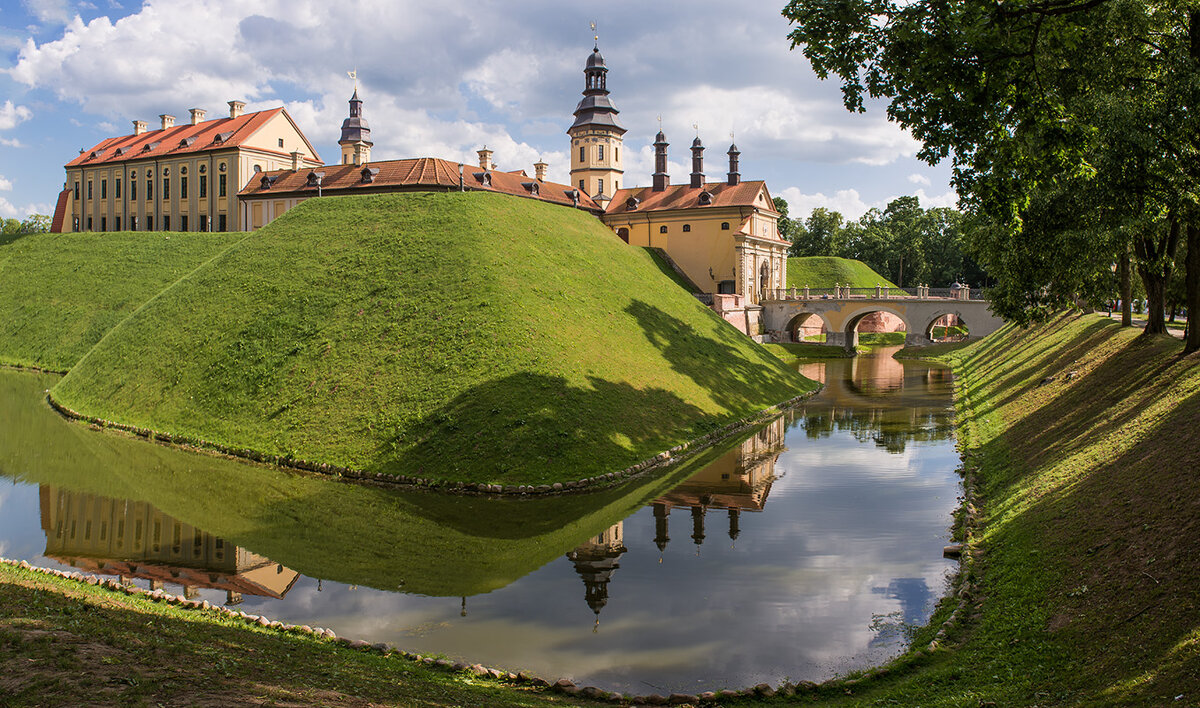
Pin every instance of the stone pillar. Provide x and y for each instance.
(916, 339)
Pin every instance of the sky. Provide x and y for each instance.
(443, 79)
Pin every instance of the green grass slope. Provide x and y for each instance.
(461, 336)
(60, 293)
(1083, 435)
(827, 271)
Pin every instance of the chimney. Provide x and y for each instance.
(236, 108)
(539, 170)
(139, 127)
(168, 121)
(296, 156)
(660, 162)
(197, 115)
(734, 178)
(697, 163)
(485, 159)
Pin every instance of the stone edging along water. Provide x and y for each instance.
(662, 459)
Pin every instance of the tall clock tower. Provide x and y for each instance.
(596, 142)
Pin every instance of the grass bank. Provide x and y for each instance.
(828, 271)
(464, 337)
(60, 293)
(1082, 435)
(90, 646)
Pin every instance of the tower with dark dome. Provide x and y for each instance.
(596, 136)
(356, 135)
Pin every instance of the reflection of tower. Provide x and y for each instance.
(698, 527)
(661, 538)
(734, 516)
(595, 561)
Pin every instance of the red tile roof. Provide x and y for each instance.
(415, 173)
(183, 139)
(682, 196)
(60, 212)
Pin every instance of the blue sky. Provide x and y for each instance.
(443, 79)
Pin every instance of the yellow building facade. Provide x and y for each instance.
(178, 178)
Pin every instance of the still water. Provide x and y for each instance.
(798, 552)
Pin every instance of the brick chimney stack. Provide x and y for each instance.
(485, 159)
(296, 160)
(139, 127)
(539, 170)
(197, 115)
(168, 121)
(697, 163)
(236, 108)
(660, 162)
(734, 177)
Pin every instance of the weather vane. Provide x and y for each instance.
(354, 75)
(595, 36)
(696, 127)
(660, 122)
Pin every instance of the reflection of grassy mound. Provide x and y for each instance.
(827, 271)
(469, 337)
(433, 544)
(60, 293)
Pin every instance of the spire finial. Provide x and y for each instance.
(696, 127)
(595, 37)
(354, 75)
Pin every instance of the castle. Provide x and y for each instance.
(240, 172)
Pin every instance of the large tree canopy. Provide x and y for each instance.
(1070, 125)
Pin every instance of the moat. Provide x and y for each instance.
(800, 551)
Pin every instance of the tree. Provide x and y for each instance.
(787, 227)
(817, 235)
(1088, 102)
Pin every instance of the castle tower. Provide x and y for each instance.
(596, 166)
(596, 561)
(356, 135)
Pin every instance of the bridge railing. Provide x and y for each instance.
(845, 292)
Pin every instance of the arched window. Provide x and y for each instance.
(687, 228)
(662, 229)
(724, 225)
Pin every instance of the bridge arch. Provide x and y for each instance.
(806, 318)
(927, 331)
(855, 316)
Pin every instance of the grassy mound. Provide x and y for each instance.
(461, 336)
(60, 293)
(828, 271)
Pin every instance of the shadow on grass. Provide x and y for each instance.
(1108, 498)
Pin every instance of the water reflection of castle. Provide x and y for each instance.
(738, 480)
(135, 540)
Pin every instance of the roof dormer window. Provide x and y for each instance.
(149, 146)
(97, 153)
(368, 174)
(187, 142)
(706, 198)
(531, 187)
(222, 137)
(632, 203)
(315, 178)
(484, 178)
(267, 181)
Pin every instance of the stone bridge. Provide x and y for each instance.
(840, 309)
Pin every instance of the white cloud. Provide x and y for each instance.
(11, 115)
(917, 178)
(11, 142)
(8, 210)
(947, 199)
(49, 11)
(5, 184)
(846, 201)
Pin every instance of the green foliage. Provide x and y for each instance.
(466, 337)
(60, 293)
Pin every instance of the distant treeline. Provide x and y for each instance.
(904, 243)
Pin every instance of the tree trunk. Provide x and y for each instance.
(1154, 260)
(1192, 341)
(1126, 290)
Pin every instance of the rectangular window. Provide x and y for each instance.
(104, 223)
(149, 189)
(104, 189)
(203, 217)
(221, 221)
(183, 189)
(77, 190)
(166, 192)
(89, 223)
(166, 223)
(203, 186)
(599, 186)
(149, 223)
(582, 154)
(77, 223)
(132, 219)
(616, 154)
(600, 152)
(221, 187)
(89, 189)
(133, 189)
(118, 223)
(183, 223)
(118, 190)
(581, 185)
